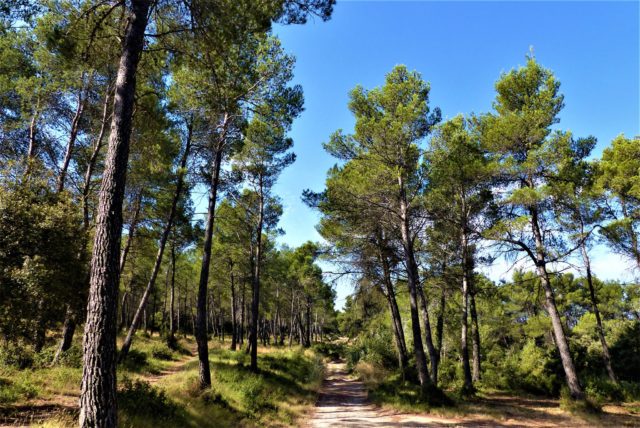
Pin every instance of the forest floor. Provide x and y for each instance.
(159, 388)
(343, 401)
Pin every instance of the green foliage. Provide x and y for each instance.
(162, 352)
(138, 399)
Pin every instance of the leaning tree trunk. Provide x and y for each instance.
(560, 338)
(162, 244)
(201, 314)
(396, 319)
(606, 356)
(412, 283)
(98, 391)
(428, 338)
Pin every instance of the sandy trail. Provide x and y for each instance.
(343, 402)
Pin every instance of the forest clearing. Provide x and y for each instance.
(454, 242)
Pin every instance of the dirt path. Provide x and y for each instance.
(343, 403)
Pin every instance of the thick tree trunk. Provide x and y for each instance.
(201, 332)
(558, 330)
(72, 311)
(161, 246)
(98, 391)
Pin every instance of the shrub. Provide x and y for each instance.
(139, 398)
(135, 360)
(602, 390)
(14, 355)
(161, 352)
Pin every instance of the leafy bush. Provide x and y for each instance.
(15, 355)
(374, 347)
(139, 398)
(161, 352)
(603, 390)
(72, 357)
(16, 389)
(135, 360)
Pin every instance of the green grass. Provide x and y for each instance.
(278, 395)
(283, 390)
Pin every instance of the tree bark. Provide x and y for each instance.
(573, 382)
(234, 315)
(467, 387)
(255, 301)
(412, 283)
(396, 319)
(201, 332)
(98, 391)
(475, 335)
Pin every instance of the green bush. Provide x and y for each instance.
(72, 357)
(139, 398)
(602, 390)
(161, 352)
(135, 360)
(15, 390)
(15, 355)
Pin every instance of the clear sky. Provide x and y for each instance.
(460, 48)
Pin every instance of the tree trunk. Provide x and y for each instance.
(162, 244)
(234, 315)
(72, 141)
(98, 391)
(396, 319)
(558, 330)
(255, 301)
(412, 283)
(428, 339)
(467, 387)
(475, 334)
(606, 356)
(201, 332)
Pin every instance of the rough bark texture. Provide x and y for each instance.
(558, 330)
(98, 391)
(201, 315)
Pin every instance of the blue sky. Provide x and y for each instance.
(460, 48)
